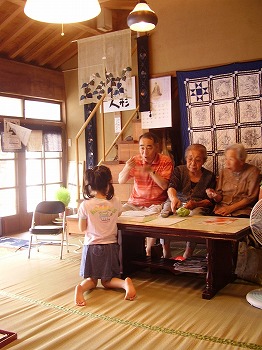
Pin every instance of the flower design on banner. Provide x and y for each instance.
(115, 87)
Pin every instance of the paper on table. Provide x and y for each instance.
(136, 213)
(172, 220)
(219, 220)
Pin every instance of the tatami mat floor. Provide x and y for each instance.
(36, 301)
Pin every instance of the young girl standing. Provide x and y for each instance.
(98, 215)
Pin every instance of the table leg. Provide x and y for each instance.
(133, 248)
(220, 266)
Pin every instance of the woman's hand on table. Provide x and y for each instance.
(223, 211)
(211, 193)
(175, 204)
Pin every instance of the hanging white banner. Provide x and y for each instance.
(104, 64)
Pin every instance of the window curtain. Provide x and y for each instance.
(53, 142)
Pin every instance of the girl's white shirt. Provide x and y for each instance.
(101, 216)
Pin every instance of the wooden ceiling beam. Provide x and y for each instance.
(15, 34)
(30, 56)
(86, 28)
(57, 52)
(18, 2)
(119, 4)
(10, 18)
(24, 46)
(1, 2)
(65, 58)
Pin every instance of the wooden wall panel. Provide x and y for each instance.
(31, 81)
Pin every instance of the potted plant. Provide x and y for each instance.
(63, 195)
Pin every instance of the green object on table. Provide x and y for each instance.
(183, 211)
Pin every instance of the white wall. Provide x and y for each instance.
(195, 34)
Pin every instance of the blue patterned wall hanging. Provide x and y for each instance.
(220, 106)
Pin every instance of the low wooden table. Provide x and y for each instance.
(221, 236)
(72, 224)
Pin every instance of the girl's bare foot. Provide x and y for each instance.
(130, 289)
(79, 296)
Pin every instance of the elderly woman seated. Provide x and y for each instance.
(187, 187)
(238, 184)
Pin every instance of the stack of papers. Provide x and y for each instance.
(139, 215)
(194, 265)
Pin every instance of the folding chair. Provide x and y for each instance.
(45, 222)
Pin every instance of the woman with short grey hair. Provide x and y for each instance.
(238, 184)
(240, 151)
(187, 188)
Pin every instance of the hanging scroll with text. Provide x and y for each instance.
(160, 114)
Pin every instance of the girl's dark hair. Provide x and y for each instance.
(98, 179)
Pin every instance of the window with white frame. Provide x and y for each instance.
(42, 110)
(43, 176)
(36, 174)
(11, 107)
(8, 187)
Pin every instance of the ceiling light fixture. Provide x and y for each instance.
(142, 18)
(62, 11)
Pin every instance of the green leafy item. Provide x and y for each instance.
(63, 195)
(183, 211)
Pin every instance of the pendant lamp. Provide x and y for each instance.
(142, 18)
(62, 11)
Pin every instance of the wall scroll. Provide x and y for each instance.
(143, 73)
(160, 115)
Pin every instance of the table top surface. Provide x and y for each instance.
(209, 224)
(214, 225)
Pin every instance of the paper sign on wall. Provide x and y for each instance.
(126, 102)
